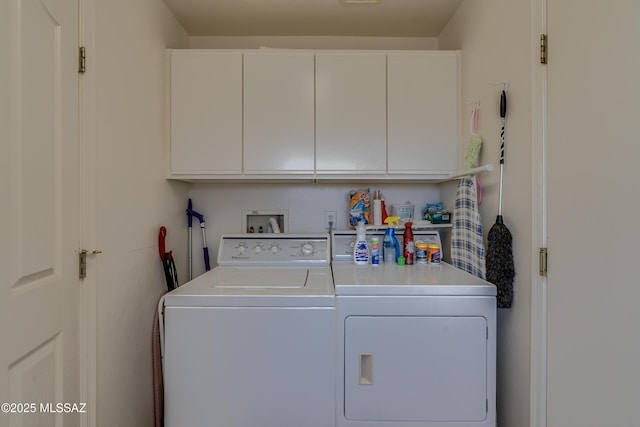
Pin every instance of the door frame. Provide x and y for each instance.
(88, 293)
(538, 360)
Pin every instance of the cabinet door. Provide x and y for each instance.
(351, 113)
(278, 112)
(415, 368)
(422, 112)
(206, 112)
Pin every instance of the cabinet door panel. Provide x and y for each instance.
(422, 112)
(351, 112)
(406, 368)
(278, 112)
(206, 113)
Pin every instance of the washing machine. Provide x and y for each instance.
(252, 342)
(416, 344)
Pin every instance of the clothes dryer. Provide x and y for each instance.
(416, 343)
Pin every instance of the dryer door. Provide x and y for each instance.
(416, 368)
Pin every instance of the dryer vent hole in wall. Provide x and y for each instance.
(265, 221)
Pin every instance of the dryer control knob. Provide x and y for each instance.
(307, 249)
(257, 249)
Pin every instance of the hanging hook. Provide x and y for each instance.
(505, 85)
(476, 103)
(473, 120)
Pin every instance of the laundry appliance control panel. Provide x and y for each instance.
(274, 249)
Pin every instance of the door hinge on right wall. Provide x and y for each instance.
(543, 262)
(82, 60)
(543, 48)
(82, 263)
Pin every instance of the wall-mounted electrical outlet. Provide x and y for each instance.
(330, 217)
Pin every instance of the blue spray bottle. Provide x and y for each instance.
(390, 245)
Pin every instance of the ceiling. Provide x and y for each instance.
(388, 18)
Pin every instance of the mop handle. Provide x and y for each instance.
(503, 115)
(207, 263)
(190, 243)
(205, 248)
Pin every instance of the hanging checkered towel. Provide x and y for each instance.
(467, 244)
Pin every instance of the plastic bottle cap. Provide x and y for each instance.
(400, 260)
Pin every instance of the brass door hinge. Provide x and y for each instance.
(543, 262)
(82, 261)
(82, 60)
(543, 48)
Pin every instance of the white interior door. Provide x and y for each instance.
(39, 284)
(593, 376)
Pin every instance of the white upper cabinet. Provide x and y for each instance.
(279, 113)
(351, 113)
(206, 112)
(272, 114)
(422, 90)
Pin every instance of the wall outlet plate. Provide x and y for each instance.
(330, 217)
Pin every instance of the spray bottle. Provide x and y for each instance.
(390, 245)
(361, 249)
(409, 244)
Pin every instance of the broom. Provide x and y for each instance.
(499, 257)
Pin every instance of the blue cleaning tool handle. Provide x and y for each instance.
(200, 217)
(207, 265)
(191, 213)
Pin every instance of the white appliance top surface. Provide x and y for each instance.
(418, 279)
(263, 270)
(227, 286)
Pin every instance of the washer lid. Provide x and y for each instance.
(252, 278)
(418, 279)
(257, 287)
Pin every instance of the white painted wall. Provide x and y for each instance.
(312, 42)
(495, 39)
(222, 206)
(133, 199)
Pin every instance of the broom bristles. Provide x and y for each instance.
(499, 263)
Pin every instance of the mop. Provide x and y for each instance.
(499, 257)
